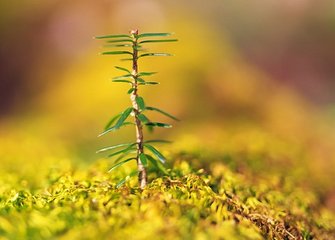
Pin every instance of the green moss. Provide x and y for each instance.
(212, 204)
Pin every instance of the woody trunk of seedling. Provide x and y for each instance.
(142, 172)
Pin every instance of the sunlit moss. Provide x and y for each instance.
(84, 204)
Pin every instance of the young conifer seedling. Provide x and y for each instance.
(142, 151)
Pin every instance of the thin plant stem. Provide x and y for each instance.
(142, 173)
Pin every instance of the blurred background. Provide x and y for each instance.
(253, 82)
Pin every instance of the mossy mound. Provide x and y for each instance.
(211, 203)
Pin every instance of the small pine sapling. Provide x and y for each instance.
(140, 151)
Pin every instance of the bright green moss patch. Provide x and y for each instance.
(215, 203)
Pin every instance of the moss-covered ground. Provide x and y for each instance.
(205, 196)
